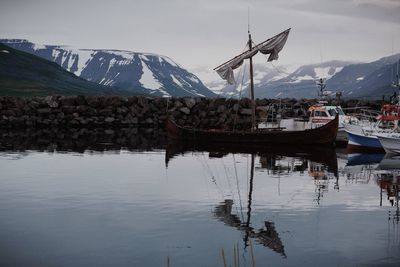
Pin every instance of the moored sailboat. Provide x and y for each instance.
(325, 134)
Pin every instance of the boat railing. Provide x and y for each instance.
(362, 114)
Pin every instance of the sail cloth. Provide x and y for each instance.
(272, 46)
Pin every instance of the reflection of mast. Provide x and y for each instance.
(247, 224)
(268, 237)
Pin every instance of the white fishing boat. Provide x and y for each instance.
(365, 134)
(321, 114)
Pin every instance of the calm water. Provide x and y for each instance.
(127, 208)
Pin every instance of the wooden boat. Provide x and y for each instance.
(325, 134)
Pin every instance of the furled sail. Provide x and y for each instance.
(272, 46)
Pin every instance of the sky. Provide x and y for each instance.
(201, 34)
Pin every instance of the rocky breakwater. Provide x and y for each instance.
(136, 112)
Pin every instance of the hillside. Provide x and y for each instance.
(23, 74)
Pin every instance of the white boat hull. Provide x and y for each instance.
(357, 137)
(390, 142)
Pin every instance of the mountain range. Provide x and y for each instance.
(354, 80)
(137, 73)
(126, 72)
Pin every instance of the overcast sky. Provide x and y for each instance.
(205, 33)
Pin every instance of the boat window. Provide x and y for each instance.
(332, 112)
(340, 111)
(320, 114)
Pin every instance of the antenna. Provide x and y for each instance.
(248, 19)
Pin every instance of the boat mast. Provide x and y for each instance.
(253, 105)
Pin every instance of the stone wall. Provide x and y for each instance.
(93, 111)
(140, 112)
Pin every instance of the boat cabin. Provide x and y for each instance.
(320, 114)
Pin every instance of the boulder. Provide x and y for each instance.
(185, 110)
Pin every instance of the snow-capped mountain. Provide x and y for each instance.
(142, 73)
(281, 81)
(366, 80)
(354, 80)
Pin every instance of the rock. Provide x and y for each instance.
(185, 110)
(67, 101)
(109, 119)
(82, 109)
(68, 109)
(122, 110)
(246, 111)
(149, 121)
(178, 104)
(221, 108)
(43, 111)
(109, 132)
(105, 112)
(189, 102)
(92, 101)
(51, 101)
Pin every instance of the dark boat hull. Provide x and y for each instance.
(325, 134)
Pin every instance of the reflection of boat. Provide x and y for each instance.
(390, 162)
(363, 159)
(322, 154)
(389, 182)
(322, 135)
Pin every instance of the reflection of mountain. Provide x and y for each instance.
(267, 236)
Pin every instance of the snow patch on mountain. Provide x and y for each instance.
(170, 61)
(148, 80)
(176, 81)
(299, 79)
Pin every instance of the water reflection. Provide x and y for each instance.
(317, 206)
(384, 170)
(267, 236)
(81, 140)
(319, 163)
